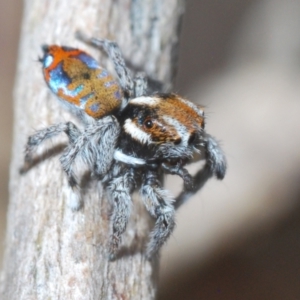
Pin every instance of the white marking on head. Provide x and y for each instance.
(136, 133)
(48, 61)
(150, 101)
(181, 129)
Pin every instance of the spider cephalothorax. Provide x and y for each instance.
(130, 138)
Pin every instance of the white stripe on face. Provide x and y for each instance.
(181, 129)
(149, 101)
(136, 133)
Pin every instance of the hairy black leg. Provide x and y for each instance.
(95, 146)
(42, 135)
(159, 204)
(140, 85)
(119, 190)
(215, 165)
(182, 172)
(215, 157)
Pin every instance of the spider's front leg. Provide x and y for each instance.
(140, 85)
(119, 190)
(160, 206)
(177, 169)
(215, 157)
(215, 165)
(95, 146)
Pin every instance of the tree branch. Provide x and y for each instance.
(51, 251)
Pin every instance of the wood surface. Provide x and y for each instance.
(51, 251)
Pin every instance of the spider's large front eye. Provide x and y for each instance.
(148, 123)
(192, 138)
(178, 141)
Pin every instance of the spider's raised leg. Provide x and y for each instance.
(140, 85)
(95, 146)
(101, 140)
(35, 140)
(188, 180)
(160, 206)
(44, 134)
(215, 157)
(215, 166)
(120, 189)
(114, 53)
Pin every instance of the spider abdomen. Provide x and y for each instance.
(77, 79)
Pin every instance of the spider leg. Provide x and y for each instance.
(160, 206)
(215, 166)
(95, 146)
(35, 140)
(114, 53)
(100, 143)
(42, 135)
(119, 190)
(187, 178)
(140, 85)
(215, 157)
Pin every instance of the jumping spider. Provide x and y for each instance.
(129, 139)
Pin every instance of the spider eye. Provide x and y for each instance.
(192, 138)
(148, 123)
(178, 141)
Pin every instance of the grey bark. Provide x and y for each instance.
(51, 251)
